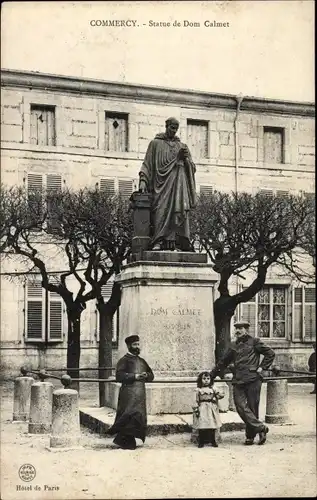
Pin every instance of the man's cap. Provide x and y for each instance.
(131, 339)
(242, 323)
(171, 119)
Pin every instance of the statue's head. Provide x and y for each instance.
(172, 126)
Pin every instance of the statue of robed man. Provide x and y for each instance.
(168, 173)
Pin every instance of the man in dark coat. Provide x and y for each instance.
(168, 173)
(244, 356)
(131, 418)
(312, 365)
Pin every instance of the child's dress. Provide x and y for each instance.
(207, 402)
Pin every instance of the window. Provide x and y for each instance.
(273, 145)
(42, 130)
(36, 183)
(269, 193)
(197, 138)
(44, 314)
(267, 312)
(116, 134)
(106, 291)
(123, 187)
(304, 317)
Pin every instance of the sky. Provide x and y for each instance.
(267, 50)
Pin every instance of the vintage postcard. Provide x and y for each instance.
(158, 254)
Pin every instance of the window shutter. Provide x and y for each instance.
(55, 319)
(116, 138)
(310, 314)
(283, 194)
(273, 144)
(53, 185)
(107, 185)
(35, 183)
(106, 290)
(297, 314)
(35, 199)
(206, 190)
(42, 123)
(34, 313)
(197, 138)
(266, 192)
(125, 188)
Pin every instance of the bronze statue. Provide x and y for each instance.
(168, 174)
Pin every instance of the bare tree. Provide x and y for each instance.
(90, 232)
(243, 232)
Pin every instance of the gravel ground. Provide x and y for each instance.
(166, 466)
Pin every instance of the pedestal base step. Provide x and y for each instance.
(100, 419)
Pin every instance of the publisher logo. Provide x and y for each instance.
(27, 472)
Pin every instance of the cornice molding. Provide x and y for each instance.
(93, 88)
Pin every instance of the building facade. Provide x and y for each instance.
(58, 130)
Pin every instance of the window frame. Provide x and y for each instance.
(206, 123)
(255, 301)
(114, 184)
(301, 338)
(45, 298)
(120, 115)
(274, 129)
(46, 185)
(44, 108)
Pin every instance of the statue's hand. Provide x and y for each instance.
(185, 152)
(142, 186)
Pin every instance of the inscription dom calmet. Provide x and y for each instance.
(174, 311)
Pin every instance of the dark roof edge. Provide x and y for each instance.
(85, 86)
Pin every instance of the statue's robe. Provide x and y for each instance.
(170, 179)
(131, 417)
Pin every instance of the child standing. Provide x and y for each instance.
(207, 412)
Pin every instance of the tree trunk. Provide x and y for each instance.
(105, 349)
(73, 344)
(224, 309)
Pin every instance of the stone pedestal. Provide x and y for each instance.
(141, 204)
(170, 305)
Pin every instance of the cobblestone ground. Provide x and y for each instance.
(166, 466)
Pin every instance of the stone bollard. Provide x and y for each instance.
(277, 402)
(40, 421)
(224, 402)
(65, 423)
(22, 396)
